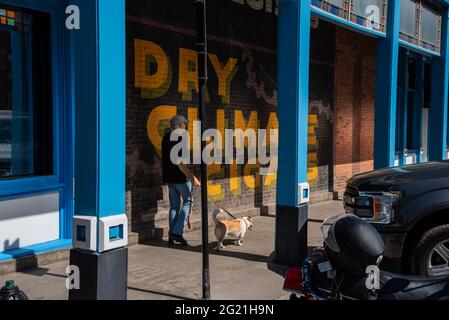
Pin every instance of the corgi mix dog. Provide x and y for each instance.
(235, 229)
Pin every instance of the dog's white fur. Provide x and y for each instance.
(235, 229)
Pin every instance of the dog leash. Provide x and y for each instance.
(190, 209)
(215, 203)
(224, 209)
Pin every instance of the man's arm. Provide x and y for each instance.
(185, 169)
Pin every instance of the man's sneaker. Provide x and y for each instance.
(171, 241)
(180, 239)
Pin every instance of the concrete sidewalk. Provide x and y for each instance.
(159, 272)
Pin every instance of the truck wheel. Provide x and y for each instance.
(432, 252)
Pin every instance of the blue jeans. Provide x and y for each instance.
(178, 215)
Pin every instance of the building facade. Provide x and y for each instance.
(373, 95)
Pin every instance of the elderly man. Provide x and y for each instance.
(180, 181)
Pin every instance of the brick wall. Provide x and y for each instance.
(354, 105)
(162, 81)
(242, 93)
(321, 105)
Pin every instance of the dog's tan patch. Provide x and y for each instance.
(233, 226)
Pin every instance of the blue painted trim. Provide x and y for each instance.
(386, 90)
(418, 107)
(438, 113)
(25, 186)
(293, 105)
(346, 24)
(85, 60)
(101, 108)
(67, 118)
(112, 107)
(418, 49)
(62, 70)
(401, 119)
(35, 250)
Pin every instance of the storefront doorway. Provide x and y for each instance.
(414, 101)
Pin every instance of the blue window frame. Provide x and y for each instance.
(26, 94)
(414, 91)
(420, 24)
(369, 14)
(59, 177)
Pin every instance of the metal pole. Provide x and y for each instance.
(202, 80)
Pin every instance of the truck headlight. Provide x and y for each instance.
(382, 206)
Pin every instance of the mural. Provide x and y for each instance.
(162, 81)
(154, 71)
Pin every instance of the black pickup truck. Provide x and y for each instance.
(409, 206)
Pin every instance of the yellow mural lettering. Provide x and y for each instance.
(225, 74)
(241, 123)
(235, 180)
(214, 189)
(158, 121)
(221, 124)
(188, 73)
(270, 180)
(251, 176)
(192, 114)
(153, 72)
(312, 157)
(273, 124)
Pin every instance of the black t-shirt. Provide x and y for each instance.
(171, 174)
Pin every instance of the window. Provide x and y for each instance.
(336, 7)
(408, 20)
(411, 121)
(26, 117)
(430, 28)
(421, 24)
(367, 13)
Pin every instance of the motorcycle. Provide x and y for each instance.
(347, 268)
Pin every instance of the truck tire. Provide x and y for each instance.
(432, 252)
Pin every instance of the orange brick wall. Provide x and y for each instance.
(355, 85)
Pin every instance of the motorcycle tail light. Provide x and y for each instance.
(293, 280)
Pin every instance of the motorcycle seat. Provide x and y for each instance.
(393, 286)
(403, 287)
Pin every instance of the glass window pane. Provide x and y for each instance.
(5, 102)
(429, 29)
(25, 93)
(364, 8)
(411, 114)
(408, 17)
(368, 13)
(337, 3)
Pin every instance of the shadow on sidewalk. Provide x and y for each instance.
(160, 293)
(212, 251)
(280, 269)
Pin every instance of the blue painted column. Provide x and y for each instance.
(100, 223)
(293, 111)
(418, 108)
(386, 90)
(439, 97)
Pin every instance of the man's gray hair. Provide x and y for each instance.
(177, 121)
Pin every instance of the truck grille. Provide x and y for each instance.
(352, 191)
(355, 204)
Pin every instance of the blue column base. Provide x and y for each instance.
(103, 276)
(291, 235)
